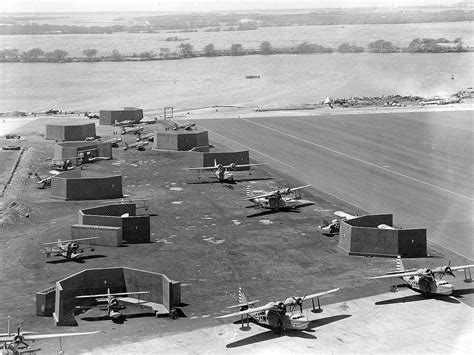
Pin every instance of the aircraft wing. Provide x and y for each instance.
(308, 297)
(206, 168)
(114, 294)
(461, 267)
(243, 304)
(59, 335)
(242, 165)
(266, 307)
(344, 215)
(400, 274)
(299, 188)
(71, 240)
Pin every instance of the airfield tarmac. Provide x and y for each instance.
(201, 236)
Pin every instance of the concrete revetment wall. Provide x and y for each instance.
(161, 289)
(70, 150)
(79, 185)
(360, 236)
(107, 236)
(70, 132)
(131, 229)
(108, 117)
(226, 158)
(181, 140)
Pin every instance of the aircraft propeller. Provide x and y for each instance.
(299, 302)
(19, 339)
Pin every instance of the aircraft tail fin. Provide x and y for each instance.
(242, 298)
(249, 191)
(400, 266)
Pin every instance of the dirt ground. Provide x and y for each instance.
(201, 235)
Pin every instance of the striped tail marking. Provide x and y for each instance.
(400, 266)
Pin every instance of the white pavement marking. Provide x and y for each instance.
(451, 250)
(357, 159)
(256, 151)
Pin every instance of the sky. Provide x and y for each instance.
(8, 6)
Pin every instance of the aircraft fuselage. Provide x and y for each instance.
(278, 319)
(429, 285)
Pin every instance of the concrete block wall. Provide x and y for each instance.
(108, 236)
(135, 229)
(180, 140)
(70, 150)
(361, 236)
(87, 282)
(45, 301)
(70, 187)
(70, 132)
(108, 117)
(226, 158)
(96, 281)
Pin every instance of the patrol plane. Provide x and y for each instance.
(427, 281)
(222, 171)
(279, 315)
(274, 200)
(113, 307)
(68, 249)
(333, 227)
(126, 123)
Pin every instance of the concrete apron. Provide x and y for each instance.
(402, 321)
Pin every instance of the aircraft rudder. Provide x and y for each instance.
(400, 266)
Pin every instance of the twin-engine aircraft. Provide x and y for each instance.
(16, 343)
(275, 200)
(333, 227)
(68, 249)
(113, 307)
(222, 171)
(428, 281)
(278, 315)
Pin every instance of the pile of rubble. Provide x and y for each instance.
(384, 100)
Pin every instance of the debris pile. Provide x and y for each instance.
(384, 100)
(12, 212)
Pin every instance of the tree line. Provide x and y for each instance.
(186, 50)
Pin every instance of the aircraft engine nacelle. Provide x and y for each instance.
(444, 270)
(232, 166)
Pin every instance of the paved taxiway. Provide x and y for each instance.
(401, 322)
(417, 166)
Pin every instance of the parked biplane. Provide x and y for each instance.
(278, 315)
(333, 227)
(427, 281)
(223, 172)
(175, 127)
(278, 200)
(113, 306)
(68, 249)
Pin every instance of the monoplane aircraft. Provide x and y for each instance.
(148, 120)
(275, 200)
(222, 171)
(126, 123)
(134, 130)
(46, 182)
(113, 306)
(113, 141)
(427, 281)
(16, 343)
(146, 137)
(333, 227)
(175, 127)
(68, 249)
(138, 145)
(278, 315)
